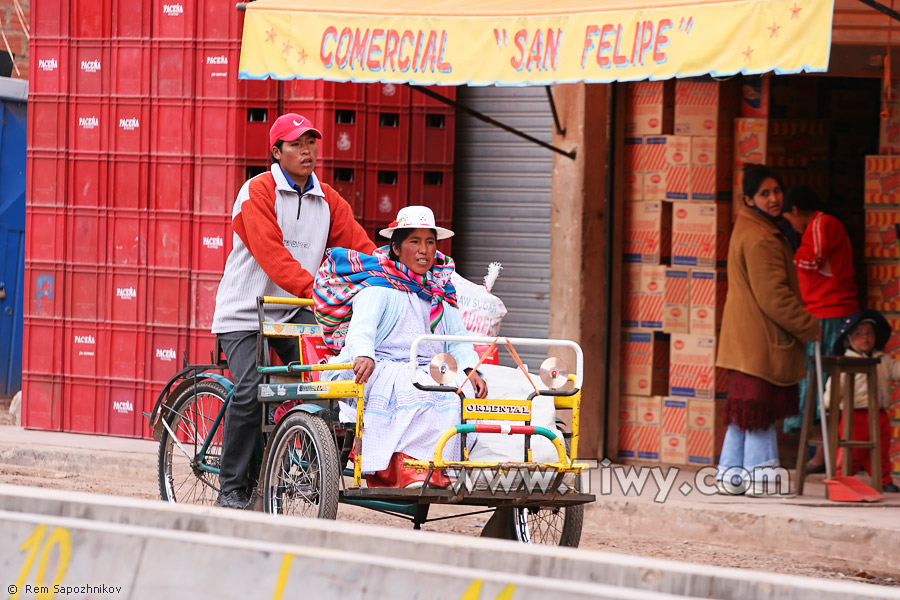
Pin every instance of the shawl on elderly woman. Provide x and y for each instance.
(345, 272)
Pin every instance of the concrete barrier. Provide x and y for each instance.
(431, 550)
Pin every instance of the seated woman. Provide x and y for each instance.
(371, 308)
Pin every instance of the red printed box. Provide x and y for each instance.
(645, 363)
(649, 108)
(750, 141)
(631, 296)
(705, 431)
(667, 167)
(634, 168)
(648, 232)
(881, 238)
(677, 301)
(755, 97)
(653, 288)
(693, 372)
(673, 442)
(648, 431)
(882, 181)
(884, 286)
(708, 291)
(627, 426)
(701, 106)
(700, 234)
(711, 160)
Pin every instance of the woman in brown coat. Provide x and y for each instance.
(764, 328)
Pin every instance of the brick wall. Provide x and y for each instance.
(12, 28)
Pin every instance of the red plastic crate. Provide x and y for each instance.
(169, 241)
(126, 295)
(86, 294)
(127, 352)
(216, 185)
(211, 240)
(45, 234)
(49, 19)
(203, 300)
(217, 70)
(418, 99)
(47, 122)
(89, 68)
(387, 135)
(166, 348)
(49, 66)
(168, 302)
(130, 130)
(128, 182)
(218, 21)
(172, 69)
(432, 187)
(127, 238)
(170, 184)
(218, 125)
(42, 402)
(45, 178)
(90, 19)
(125, 406)
(85, 350)
(42, 346)
(85, 236)
(318, 90)
(83, 411)
(131, 19)
(387, 94)
(88, 124)
(258, 119)
(432, 137)
(130, 73)
(348, 180)
(173, 19)
(172, 128)
(343, 127)
(387, 188)
(258, 91)
(373, 228)
(44, 289)
(202, 347)
(88, 176)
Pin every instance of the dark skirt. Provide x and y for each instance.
(755, 403)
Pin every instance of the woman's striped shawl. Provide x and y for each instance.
(345, 272)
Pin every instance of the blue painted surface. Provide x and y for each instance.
(12, 242)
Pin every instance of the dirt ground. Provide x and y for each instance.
(139, 481)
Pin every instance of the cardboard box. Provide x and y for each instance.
(673, 444)
(893, 348)
(667, 167)
(627, 427)
(709, 287)
(705, 431)
(700, 233)
(711, 163)
(677, 301)
(648, 428)
(881, 238)
(889, 130)
(649, 108)
(634, 168)
(692, 370)
(797, 144)
(645, 363)
(750, 140)
(653, 289)
(631, 296)
(648, 232)
(755, 97)
(884, 286)
(882, 186)
(701, 106)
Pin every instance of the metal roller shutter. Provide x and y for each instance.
(502, 205)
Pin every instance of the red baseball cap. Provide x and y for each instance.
(289, 127)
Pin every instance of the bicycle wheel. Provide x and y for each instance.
(191, 419)
(301, 469)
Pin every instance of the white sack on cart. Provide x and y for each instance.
(506, 383)
(481, 310)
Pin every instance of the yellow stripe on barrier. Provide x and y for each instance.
(289, 301)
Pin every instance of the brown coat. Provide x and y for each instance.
(764, 324)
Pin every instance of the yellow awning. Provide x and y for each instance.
(531, 42)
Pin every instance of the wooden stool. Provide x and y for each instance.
(836, 366)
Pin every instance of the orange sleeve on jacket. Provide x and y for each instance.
(257, 226)
(345, 231)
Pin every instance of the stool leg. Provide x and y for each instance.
(847, 416)
(805, 427)
(874, 429)
(833, 412)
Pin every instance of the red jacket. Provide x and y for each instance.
(825, 268)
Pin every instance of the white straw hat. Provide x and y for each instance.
(415, 217)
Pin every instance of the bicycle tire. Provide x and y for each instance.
(191, 416)
(302, 476)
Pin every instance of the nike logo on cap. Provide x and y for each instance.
(296, 124)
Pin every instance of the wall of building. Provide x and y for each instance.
(14, 30)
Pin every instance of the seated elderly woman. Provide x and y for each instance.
(371, 308)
